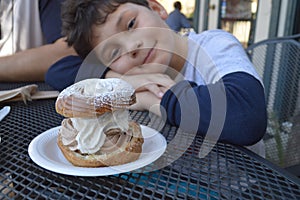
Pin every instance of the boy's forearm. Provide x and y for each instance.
(245, 108)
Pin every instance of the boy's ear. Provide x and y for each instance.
(157, 7)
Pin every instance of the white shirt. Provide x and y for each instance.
(20, 26)
(205, 65)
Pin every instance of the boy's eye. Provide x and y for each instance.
(131, 24)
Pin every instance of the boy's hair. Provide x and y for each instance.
(79, 16)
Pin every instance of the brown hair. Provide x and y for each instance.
(78, 17)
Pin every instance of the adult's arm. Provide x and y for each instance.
(32, 64)
(245, 118)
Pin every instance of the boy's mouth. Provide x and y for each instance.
(149, 55)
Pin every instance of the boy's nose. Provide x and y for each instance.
(136, 48)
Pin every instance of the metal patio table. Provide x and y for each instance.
(227, 172)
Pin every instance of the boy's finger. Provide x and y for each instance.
(153, 88)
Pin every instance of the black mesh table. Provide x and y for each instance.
(227, 172)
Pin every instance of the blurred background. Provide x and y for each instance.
(249, 20)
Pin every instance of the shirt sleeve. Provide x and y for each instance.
(184, 22)
(63, 73)
(245, 109)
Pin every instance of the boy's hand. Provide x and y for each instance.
(155, 83)
(147, 101)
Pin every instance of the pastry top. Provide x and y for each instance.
(93, 97)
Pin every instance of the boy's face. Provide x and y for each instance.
(132, 39)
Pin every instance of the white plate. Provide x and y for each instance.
(43, 150)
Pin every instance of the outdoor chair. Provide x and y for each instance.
(278, 63)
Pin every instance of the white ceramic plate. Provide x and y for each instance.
(43, 150)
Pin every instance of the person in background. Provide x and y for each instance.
(177, 20)
(31, 41)
(215, 84)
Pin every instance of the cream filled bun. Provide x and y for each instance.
(92, 97)
(97, 130)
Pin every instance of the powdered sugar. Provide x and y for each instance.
(113, 92)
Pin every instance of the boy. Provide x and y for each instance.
(216, 91)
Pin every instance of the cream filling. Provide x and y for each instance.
(89, 136)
